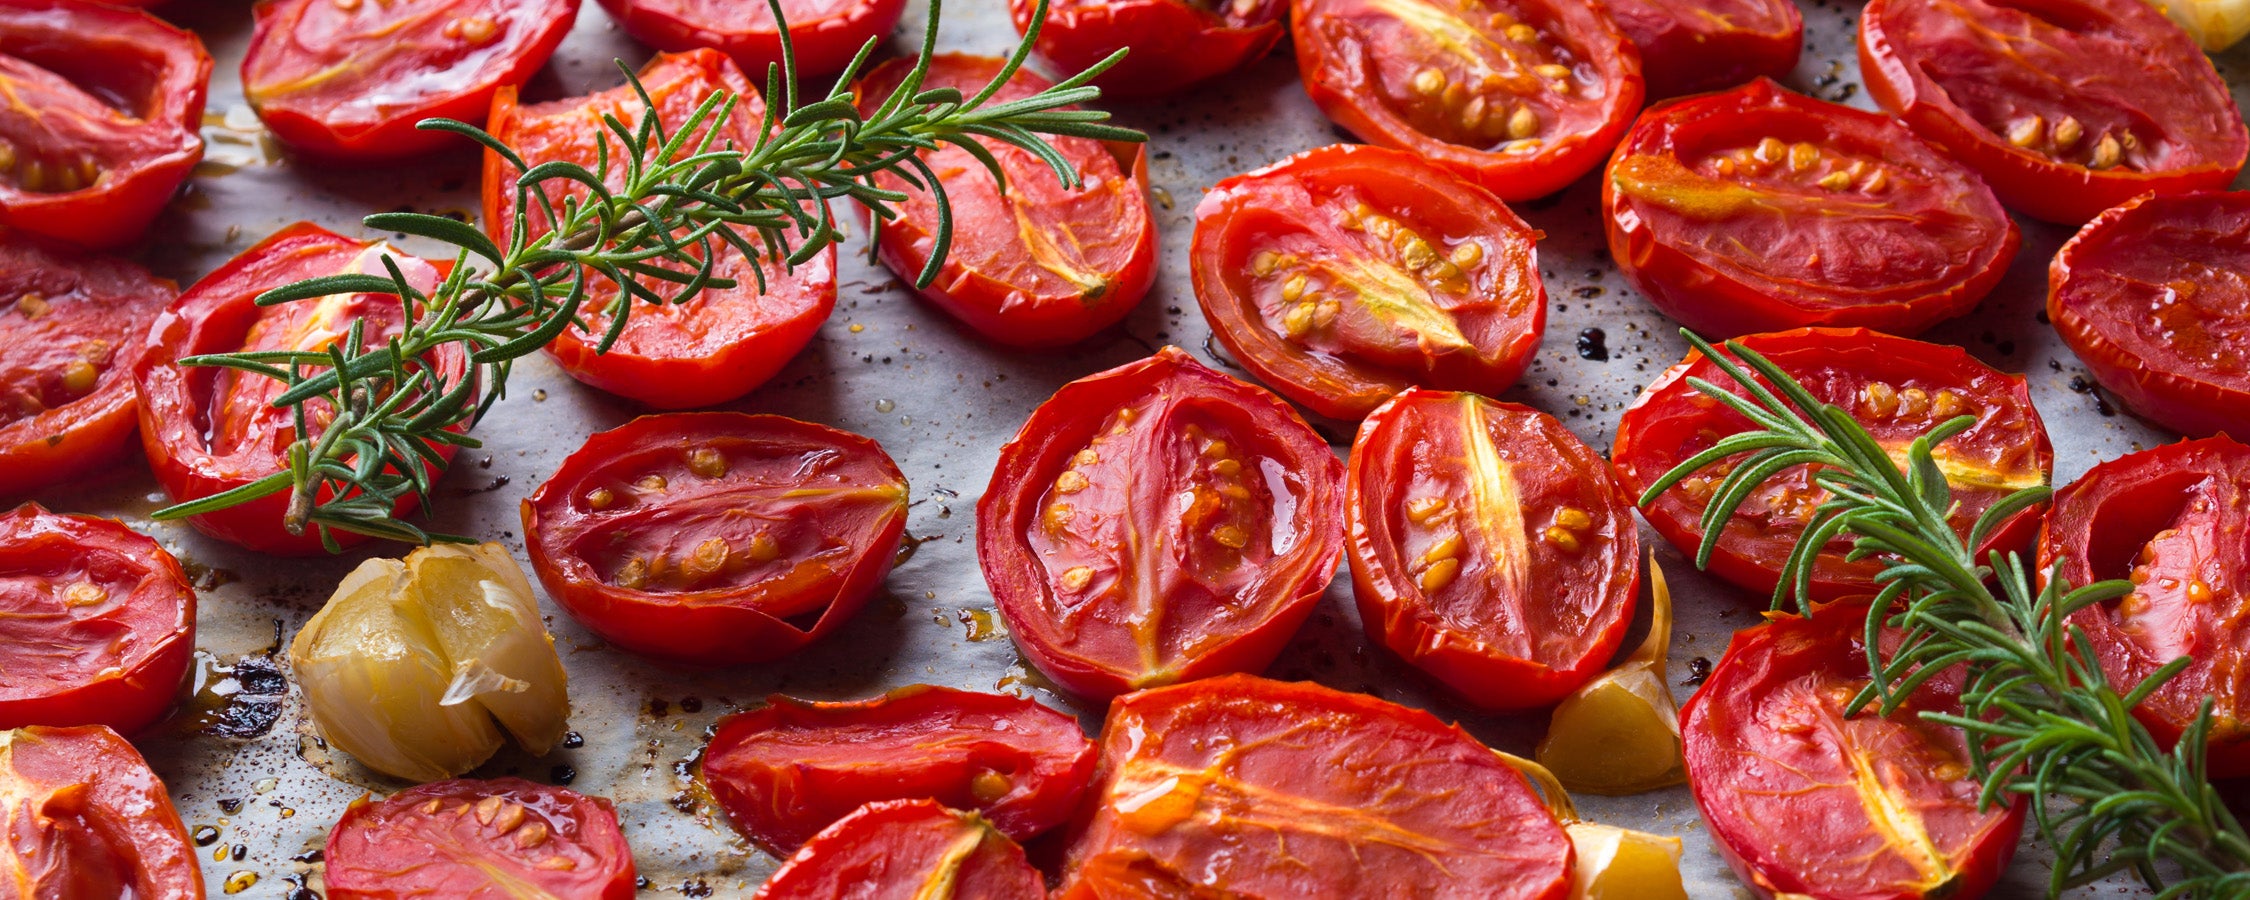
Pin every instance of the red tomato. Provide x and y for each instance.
(1760, 209)
(208, 429)
(66, 398)
(824, 34)
(1174, 43)
(480, 840)
(712, 349)
(907, 850)
(788, 769)
(1522, 96)
(1490, 547)
(348, 80)
(1692, 46)
(81, 816)
(97, 622)
(102, 124)
(1240, 786)
(1346, 274)
(716, 538)
(1159, 522)
(1038, 265)
(1805, 801)
(2068, 107)
(1897, 388)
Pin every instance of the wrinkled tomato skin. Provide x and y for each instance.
(1768, 725)
(823, 34)
(830, 507)
(1722, 254)
(1253, 475)
(68, 319)
(1209, 789)
(1173, 44)
(97, 623)
(402, 62)
(1364, 336)
(787, 770)
(479, 840)
(81, 816)
(1920, 56)
(1692, 46)
(1004, 284)
(2006, 450)
(69, 61)
(907, 850)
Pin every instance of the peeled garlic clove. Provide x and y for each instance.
(1612, 863)
(487, 623)
(2215, 24)
(1620, 733)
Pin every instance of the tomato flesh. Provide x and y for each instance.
(81, 816)
(823, 34)
(1692, 46)
(1173, 44)
(67, 328)
(96, 621)
(907, 850)
(479, 840)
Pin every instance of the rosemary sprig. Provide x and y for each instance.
(2042, 721)
(686, 197)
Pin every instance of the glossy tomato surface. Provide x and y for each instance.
(1172, 44)
(1159, 522)
(1038, 265)
(1490, 547)
(501, 839)
(208, 429)
(1346, 274)
(1521, 96)
(787, 770)
(81, 816)
(1897, 388)
(348, 80)
(1804, 800)
(712, 349)
(716, 538)
(69, 328)
(907, 850)
(97, 622)
(824, 34)
(102, 120)
(1759, 209)
(1243, 787)
(1692, 46)
(2068, 107)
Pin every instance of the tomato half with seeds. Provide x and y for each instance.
(823, 34)
(97, 622)
(709, 350)
(1759, 209)
(1159, 522)
(479, 840)
(81, 815)
(103, 121)
(908, 850)
(1037, 265)
(1173, 44)
(1521, 96)
(208, 429)
(1692, 46)
(1344, 275)
(716, 538)
(1804, 800)
(1897, 388)
(69, 327)
(2068, 107)
(1203, 788)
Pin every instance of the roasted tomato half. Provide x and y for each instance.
(1174, 44)
(81, 816)
(824, 34)
(786, 770)
(2068, 107)
(716, 538)
(97, 622)
(1490, 547)
(1692, 46)
(1898, 389)
(1204, 791)
(1759, 209)
(103, 118)
(1159, 522)
(1521, 96)
(69, 327)
(1346, 274)
(1036, 265)
(908, 849)
(1804, 800)
(480, 840)
(709, 350)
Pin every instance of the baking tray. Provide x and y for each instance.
(258, 793)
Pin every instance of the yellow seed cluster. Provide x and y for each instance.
(42, 175)
(1880, 400)
(1570, 529)
(2064, 140)
(1802, 162)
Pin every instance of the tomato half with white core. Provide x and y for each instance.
(908, 850)
(1898, 389)
(1346, 274)
(1804, 800)
(1692, 46)
(1159, 522)
(69, 329)
(97, 622)
(823, 34)
(2068, 107)
(1490, 547)
(1171, 44)
(1759, 209)
(479, 840)
(82, 816)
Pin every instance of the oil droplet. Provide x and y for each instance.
(1593, 345)
(857, 328)
(1163, 197)
(981, 624)
(241, 881)
(884, 406)
(265, 785)
(206, 835)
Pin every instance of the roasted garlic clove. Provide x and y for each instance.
(1620, 733)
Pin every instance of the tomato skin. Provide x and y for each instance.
(2152, 78)
(1692, 46)
(81, 815)
(823, 39)
(1486, 318)
(1237, 605)
(89, 316)
(479, 840)
(48, 48)
(1728, 241)
(116, 658)
(1175, 44)
(866, 856)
